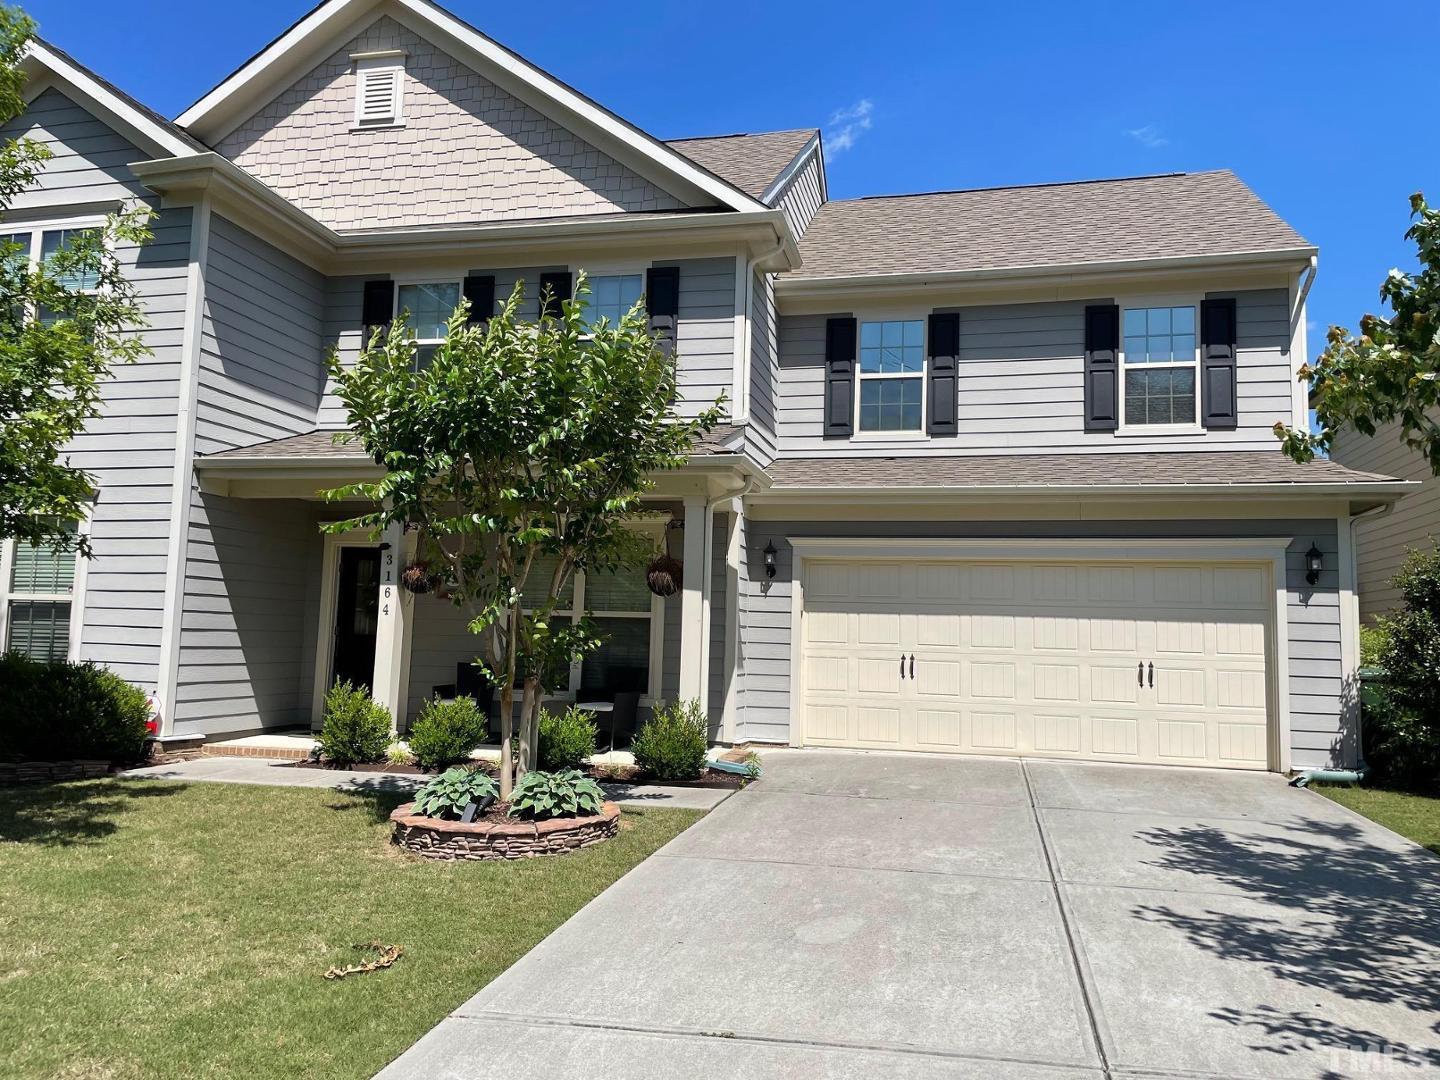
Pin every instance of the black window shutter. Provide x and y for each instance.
(840, 337)
(944, 373)
(479, 289)
(662, 301)
(378, 308)
(1102, 367)
(1218, 407)
(558, 286)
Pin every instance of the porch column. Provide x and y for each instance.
(392, 627)
(693, 645)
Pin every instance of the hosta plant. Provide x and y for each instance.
(449, 793)
(566, 793)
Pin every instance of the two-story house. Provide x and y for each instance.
(998, 476)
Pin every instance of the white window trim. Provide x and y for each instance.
(922, 433)
(1126, 303)
(75, 597)
(388, 60)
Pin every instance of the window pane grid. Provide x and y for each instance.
(39, 629)
(52, 242)
(1160, 396)
(612, 296)
(892, 366)
(41, 570)
(1160, 335)
(430, 307)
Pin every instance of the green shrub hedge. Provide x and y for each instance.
(1401, 739)
(60, 711)
(446, 732)
(672, 744)
(566, 739)
(356, 727)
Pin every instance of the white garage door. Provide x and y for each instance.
(1144, 662)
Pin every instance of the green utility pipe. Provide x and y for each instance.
(1328, 776)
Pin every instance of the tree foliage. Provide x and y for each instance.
(64, 322)
(1391, 371)
(518, 447)
(1402, 732)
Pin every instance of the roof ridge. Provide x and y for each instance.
(744, 135)
(1046, 184)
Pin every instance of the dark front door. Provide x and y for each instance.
(356, 604)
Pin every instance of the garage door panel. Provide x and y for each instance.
(1050, 659)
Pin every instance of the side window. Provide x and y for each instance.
(611, 296)
(37, 595)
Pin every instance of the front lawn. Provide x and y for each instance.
(1415, 816)
(151, 929)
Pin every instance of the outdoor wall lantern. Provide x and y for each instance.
(1314, 563)
(770, 554)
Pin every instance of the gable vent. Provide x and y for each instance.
(379, 89)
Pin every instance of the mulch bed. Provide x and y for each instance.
(360, 766)
(605, 774)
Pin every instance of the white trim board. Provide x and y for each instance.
(1267, 551)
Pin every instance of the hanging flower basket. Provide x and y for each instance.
(417, 578)
(665, 575)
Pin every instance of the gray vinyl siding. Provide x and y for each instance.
(802, 195)
(1313, 624)
(1414, 523)
(705, 340)
(1021, 386)
(250, 564)
(130, 447)
(89, 162)
(760, 433)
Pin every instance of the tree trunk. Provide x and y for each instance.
(507, 712)
(529, 705)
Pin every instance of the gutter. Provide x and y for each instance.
(1387, 490)
(820, 286)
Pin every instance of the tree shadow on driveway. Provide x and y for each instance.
(1345, 913)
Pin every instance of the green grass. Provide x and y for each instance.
(1415, 816)
(152, 929)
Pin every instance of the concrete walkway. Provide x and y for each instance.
(237, 770)
(910, 918)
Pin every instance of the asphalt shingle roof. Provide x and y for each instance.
(1205, 468)
(750, 162)
(1144, 217)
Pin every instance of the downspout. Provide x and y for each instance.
(748, 344)
(1346, 776)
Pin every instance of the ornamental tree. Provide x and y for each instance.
(1391, 372)
(65, 319)
(517, 445)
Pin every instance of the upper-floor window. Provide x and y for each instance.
(430, 305)
(1160, 359)
(892, 375)
(36, 594)
(611, 296)
(379, 89)
(43, 245)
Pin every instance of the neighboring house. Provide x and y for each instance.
(1383, 538)
(998, 478)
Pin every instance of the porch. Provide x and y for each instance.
(275, 609)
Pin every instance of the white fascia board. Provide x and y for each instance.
(789, 172)
(1384, 491)
(113, 109)
(1049, 273)
(211, 114)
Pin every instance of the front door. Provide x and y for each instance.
(357, 603)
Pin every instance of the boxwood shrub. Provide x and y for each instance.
(61, 711)
(672, 744)
(446, 732)
(356, 727)
(566, 739)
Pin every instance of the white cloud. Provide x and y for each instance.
(847, 125)
(1149, 136)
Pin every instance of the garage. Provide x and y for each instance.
(1147, 661)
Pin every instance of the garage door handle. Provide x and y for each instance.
(912, 665)
(902, 665)
(1140, 675)
(1152, 673)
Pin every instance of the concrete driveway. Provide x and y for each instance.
(895, 917)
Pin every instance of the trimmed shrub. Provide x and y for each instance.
(1372, 645)
(672, 745)
(1402, 724)
(448, 794)
(540, 796)
(566, 739)
(356, 727)
(59, 711)
(446, 732)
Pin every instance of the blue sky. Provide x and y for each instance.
(1293, 97)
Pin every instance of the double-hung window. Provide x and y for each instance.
(892, 376)
(42, 244)
(612, 296)
(629, 618)
(1160, 358)
(38, 592)
(430, 305)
